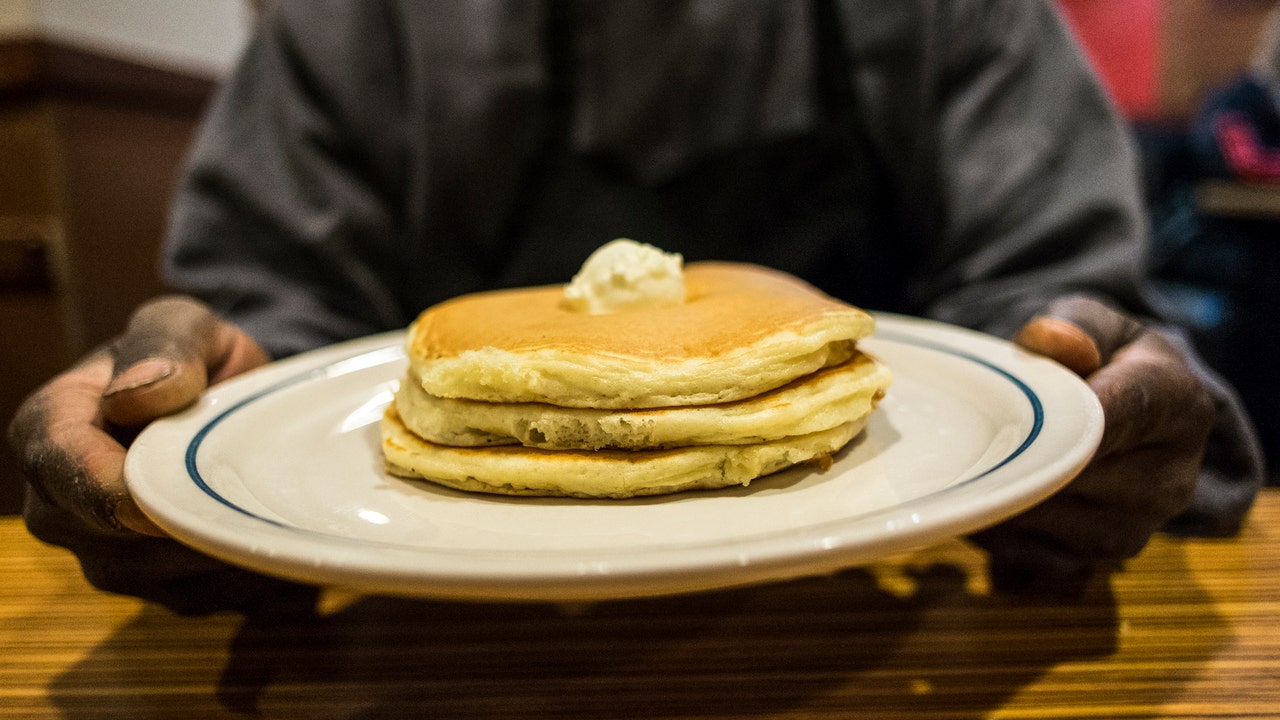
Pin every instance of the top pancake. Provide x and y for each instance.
(743, 330)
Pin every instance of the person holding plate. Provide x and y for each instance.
(955, 160)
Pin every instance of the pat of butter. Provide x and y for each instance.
(626, 275)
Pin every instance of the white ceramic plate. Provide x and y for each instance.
(279, 470)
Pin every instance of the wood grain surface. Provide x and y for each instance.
(1190, 629)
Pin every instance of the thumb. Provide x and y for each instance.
(172, 349)
(1079, 332)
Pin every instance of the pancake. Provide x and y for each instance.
(518, 470)
(743, 330)
(819, 401)
(638, 378)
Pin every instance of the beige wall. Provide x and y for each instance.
(194, 36)
(17, 17)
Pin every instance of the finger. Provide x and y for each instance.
(1025, 562)
(67, 456)
(1088, 530)
(1148, 393)
(69, 450)
(1147, 486)
(1150, 396)
(1110, 510)
(1062, 341)
(1108, 328)
(171, 351)
(161, 570)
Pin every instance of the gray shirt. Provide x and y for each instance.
(952, 159)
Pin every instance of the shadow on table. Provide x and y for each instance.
(922, 643)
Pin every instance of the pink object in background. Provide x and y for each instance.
(1122, 40)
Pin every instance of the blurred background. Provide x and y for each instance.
(99, 100)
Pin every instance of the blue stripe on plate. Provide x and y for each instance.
(375, 357)
(1037, 408)
(334, 369)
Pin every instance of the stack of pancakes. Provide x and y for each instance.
(513, 392)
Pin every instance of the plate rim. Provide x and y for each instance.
(615, 573)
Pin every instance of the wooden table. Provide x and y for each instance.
(1190, 629)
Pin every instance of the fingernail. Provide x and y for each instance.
(140, 374)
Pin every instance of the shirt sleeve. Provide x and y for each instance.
(1013, 164)
(286, 220)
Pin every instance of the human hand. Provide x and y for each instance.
(71, 434)
(1158, 417)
